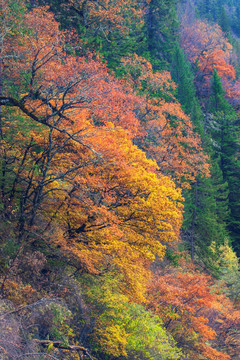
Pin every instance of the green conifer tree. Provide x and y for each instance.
(206, 209)
(224, 20)
(225, 139)
(186, 93)
(207, 203)
(162, 25)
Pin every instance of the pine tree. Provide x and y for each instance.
(162, 25)
(236, 21)
(217, 100)
(224, 20)
(209, 9)
(207, 203)
(225, 135)
(204, 219)
(186, 94)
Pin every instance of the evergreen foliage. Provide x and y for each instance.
(183, 75)
(226, 147)
(162, 25)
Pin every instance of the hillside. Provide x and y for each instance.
(119, 180)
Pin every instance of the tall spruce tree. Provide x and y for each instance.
(225, 136)
(183, 75)
(162, 25)
(203, 226)
(206, 214)
(224, 20)
(207, 202)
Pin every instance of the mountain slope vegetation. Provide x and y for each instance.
(119, 180)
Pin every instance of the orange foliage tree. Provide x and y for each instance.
(113, 28)
(75, 164)
(207, 47)
(194, 314)
(170, 137)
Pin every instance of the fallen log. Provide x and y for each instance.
(60, 345)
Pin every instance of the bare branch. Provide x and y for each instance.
(60, 345)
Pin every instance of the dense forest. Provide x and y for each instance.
(119, 179)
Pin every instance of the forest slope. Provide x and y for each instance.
(119, 173)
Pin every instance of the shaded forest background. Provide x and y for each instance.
(119, 179)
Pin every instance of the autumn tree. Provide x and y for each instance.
(187, 306)
(76, 165)
(207, 47)
(113, 29)
(121, 326)
(171, 138)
